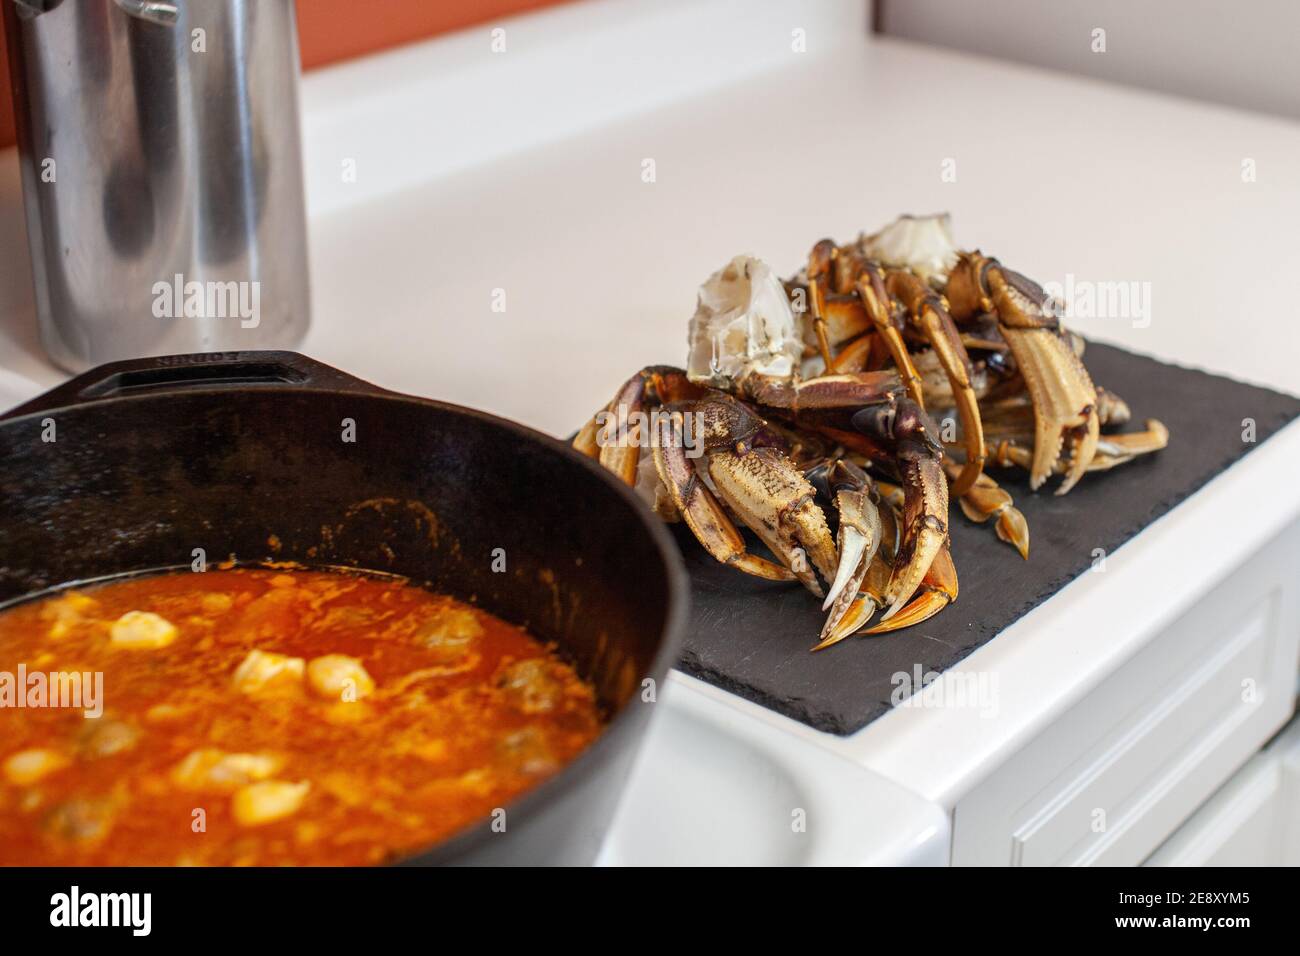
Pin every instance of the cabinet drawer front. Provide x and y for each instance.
(1117, 773)
(1253, 820)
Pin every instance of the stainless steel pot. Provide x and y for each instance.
(162, 174)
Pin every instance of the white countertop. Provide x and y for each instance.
(1055, 175)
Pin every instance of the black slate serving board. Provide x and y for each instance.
(752, 637)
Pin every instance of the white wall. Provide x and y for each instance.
(1244, 54)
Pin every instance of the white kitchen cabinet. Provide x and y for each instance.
(1110, 780)
(1253, 820)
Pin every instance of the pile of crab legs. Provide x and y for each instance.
(818, 391)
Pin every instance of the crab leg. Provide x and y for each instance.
(1114, 450)
(705, 517)
(620, 440)
(821, 260)
(986, 499)
(585, 441)
(896, 430)
(1009, 434)
(875, 299)
(930, 316)
(617, 443)
(834, 392)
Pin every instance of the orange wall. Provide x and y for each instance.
(333, 30)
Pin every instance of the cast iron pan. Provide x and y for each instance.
(132, 466)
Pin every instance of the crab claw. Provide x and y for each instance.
(859, 532)
(853, 610)
(852, 618)
(1065, 400)
(1066, 404)
(917, 457)
(940, 590)
(855, 548)
(923, 540)
(774, 500)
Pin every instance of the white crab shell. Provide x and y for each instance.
(922, 244)
(742, 324)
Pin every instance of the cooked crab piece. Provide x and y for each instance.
(743, 325)
(756, 481)
(706, 518)
(617, 433)
(938, 387)
(142, 630)
(875, 298)
(1112, 450)
(851, 613)
(860, 530)
(867, 540)
(1010, 435)
(938, 589)
(721, 463)
(702, 512)
(886, 427)
(266, 801)
(339, 677)
(933, 321)
(891, 298)
(922, 245)
(776, 502)
(1115, 450)
(820, 269)
(620, 440)
(1063, 395)
(923, 528)
(1111, 409)
(987, 499)
(263, 671)
(29, 766)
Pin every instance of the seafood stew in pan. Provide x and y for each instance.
(269, 716)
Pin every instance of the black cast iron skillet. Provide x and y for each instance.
(270, 456)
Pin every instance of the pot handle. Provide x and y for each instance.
(168, 373)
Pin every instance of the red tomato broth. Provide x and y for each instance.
(467, 713)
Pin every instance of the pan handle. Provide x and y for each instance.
(166, 373)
